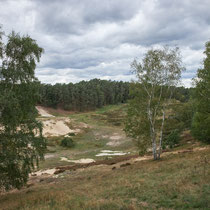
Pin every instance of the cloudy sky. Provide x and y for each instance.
(85, 39)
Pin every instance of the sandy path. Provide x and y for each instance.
(43, 112)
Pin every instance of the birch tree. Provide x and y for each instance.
(21, 142)
(157, 76)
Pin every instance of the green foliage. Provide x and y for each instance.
(179, 117)
(71, 134)
(67, 142)
(183, 115)
(21, 142)
(172, 139)
(158, 74)
(136, 123)
(200, 125)
(182, 94)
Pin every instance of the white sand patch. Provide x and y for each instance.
(142, 158)
(200, 148)
(115, 137)
(48, 156)
(110, 153)
(64, 159)
(105, 136)
(113, 154)
(43, 112)
(115, 140)
(113, 143)
(84, 125)
(83, 160)
(55, 127)
(44, 172)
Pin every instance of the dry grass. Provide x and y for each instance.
(177, 181)
(180, 180)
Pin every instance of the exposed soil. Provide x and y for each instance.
(83, 160)
(113, 161)
(56, 126)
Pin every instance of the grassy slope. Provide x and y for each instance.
(177, 181)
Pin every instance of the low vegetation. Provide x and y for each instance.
(67, 142)
(178, 181)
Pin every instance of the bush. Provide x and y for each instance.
(172, 139)
(200, 127)
(67, 142)
(71, 134)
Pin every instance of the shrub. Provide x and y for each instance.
(67, 142)
(172, 139)
(71, 134)
(200, 127)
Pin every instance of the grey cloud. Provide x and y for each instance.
(86, 39)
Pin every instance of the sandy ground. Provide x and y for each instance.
(43, 112)
(44, 172)
(55, 126)
(115, 140)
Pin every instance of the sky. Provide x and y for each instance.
(86, 39)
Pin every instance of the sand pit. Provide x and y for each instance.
(56, 127)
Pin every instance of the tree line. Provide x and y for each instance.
(89, 95)
(83, 96)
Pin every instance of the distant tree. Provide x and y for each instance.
(201, 119)
(21, 141)
(158, 74)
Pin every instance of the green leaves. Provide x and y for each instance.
(19, 59)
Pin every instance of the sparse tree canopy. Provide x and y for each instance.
(158, 74)
(21, 141)
(201, 119)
